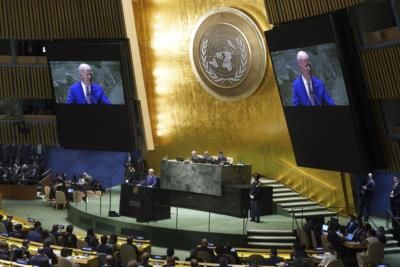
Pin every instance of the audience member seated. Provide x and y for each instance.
(204, 247)
(223, 262)
(192, 255)
(329, 255)
(351, 225)
(25, 249)
(18, 232)
(145, 260)
(46, 237)
(380, 234)
(220, 253)
(20, 164)
(299, 251)
(4, 251)
(8, 224)
(55, 232)
(49, 252)
(35, 234)
(113, 242)
(68, 239)
(109, 262)
(169, 262)
(171, 253)
(333, 237)
(40, 259)
(194, 263)
(273, 258)
(132, 263)
(66, 253)
(103, 247)
(232, 252)
(91, 238)
(362, 256)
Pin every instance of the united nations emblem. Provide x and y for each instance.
(228, 54)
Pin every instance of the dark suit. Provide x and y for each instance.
(395, 200)
(366, 196)
(77, 96)
(300, 96)
(40, 260)
(103, 248)
(255, 201)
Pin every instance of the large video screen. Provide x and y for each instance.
(310, 76)
(91, 88)
(91, 82)
(320, 84)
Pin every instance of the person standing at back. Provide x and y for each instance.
(366, 196)
(255, 199)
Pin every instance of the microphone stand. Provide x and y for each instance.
(110, 180)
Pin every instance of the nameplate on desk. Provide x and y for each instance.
(22, 261)
(134, 203)
(4, 234)
(31, 220)
(87, 249)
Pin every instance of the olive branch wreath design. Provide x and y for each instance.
(240, 72)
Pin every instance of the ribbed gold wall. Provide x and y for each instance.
(39, 133)
(25, 82)
(61, 19)
(185, 117)
(382, 68)
(280, 11)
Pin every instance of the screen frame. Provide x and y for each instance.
(331, 28)
(99, 50)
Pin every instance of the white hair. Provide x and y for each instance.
(84, 66)
(301, 55)
(151, 170)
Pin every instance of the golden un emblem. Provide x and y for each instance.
(228, 54)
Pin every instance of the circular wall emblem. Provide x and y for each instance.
(228, 54)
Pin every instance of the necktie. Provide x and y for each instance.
(311, 94)
(88, 96)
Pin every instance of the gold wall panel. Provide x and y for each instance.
(185, 117)
(381, 71)
(61, 19)
(25, 81)
(40, 132)
(280, 11)
(382, 68)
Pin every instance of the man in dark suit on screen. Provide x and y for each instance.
(84, 91)
(395, 197)
(307, 89)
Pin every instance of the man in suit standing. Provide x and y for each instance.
(395, 197)
(366, 195)
(308, 90)
(255, 199)
(84, 91)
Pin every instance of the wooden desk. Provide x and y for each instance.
(84, 258)
(11, 263)
(18, 192)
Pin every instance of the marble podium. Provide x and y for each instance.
(201, 177)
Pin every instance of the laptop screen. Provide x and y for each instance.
(325, 227)
(349, 237)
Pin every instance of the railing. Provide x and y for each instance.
(306, 185)
(395, 220)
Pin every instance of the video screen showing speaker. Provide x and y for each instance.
(91, 82)
(318, 76)
(310, 76)
(93, 91)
